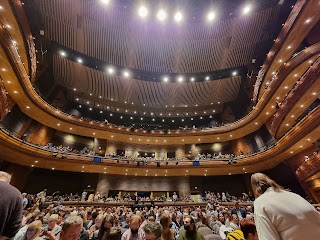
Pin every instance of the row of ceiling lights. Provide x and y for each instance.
(126, 73)
(178, 16)
(132, 103)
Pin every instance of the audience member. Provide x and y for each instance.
(249, 229)
(10, 210)
(71, 228)
(190, 232)
(5, 177)
(134, 232)
(153, 231)
(280, 214)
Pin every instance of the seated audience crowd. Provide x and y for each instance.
(54, 221)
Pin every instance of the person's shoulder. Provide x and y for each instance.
(9, 190)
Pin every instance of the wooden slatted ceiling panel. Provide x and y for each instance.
(157, 94)
(118, 37)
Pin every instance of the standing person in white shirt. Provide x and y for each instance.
(280, 214)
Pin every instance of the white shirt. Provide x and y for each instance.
(285, 216)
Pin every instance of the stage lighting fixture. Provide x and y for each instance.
(178, 17)
(143, 12)
(126, 74)
(106, 2)
(63, 53)
(246, 9)
(110, 70)
(211, 16)
(161, 15)
(234, 73)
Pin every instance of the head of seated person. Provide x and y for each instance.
(249, 229)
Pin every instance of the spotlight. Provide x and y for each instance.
(180, 79)
(143, 11)
(211, 16)
(161, 15)
(126, 74)
(63, 54)
(79, 60)
(165, 79)
(106, 2)
(234, 73)
(178, 17)
(246, 9)
(110, 70)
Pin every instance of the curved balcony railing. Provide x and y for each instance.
(305, 126)
(276, 48)
(42, 104)
(295, 94)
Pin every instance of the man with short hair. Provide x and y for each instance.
(71, 228)
(134, 232)
(153, 231)
(240, 212)
(5, 177)
(190, 232)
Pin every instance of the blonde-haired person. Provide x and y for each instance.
(33, 230)
(30, 231)
(280, 214)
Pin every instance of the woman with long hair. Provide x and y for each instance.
(105, 227)
(167, 232)
(280, 214)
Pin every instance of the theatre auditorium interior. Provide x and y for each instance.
(158, 107)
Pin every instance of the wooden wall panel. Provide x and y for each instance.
(240, 145)
(109, 182)
(41, 134)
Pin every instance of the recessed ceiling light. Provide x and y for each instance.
(165, 79)
(79, 60)
(234, 73)
(192, 79)
(143, 12)
(211, 16)
(63, 53)
(308, 20)
(161, 15)
(106, 2)
(126, 74)
(246, 9)
(180, 79)
(207, 78)
(178, 17)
